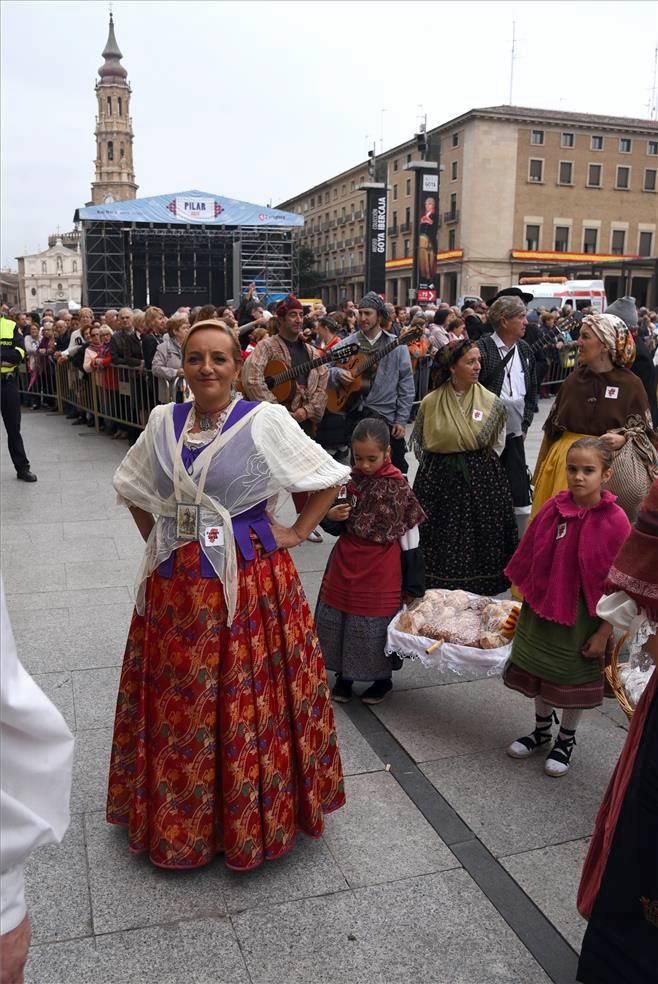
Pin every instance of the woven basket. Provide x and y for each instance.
(612, 676)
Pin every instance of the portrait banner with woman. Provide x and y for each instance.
(224, 737)
(601, 398)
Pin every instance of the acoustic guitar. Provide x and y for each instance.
(362, 368)
(280, 377)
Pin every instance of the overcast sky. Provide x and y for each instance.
(260, 100)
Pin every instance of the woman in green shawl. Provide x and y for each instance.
(470, 533)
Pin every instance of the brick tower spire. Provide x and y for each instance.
(115, 174)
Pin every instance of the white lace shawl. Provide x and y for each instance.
(258, 458)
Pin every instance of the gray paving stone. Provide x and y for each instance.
(380, 836)
(104, 574)
(311, 582)
(21, 577)
(356, 754)
(90, 769)
(612, 710)
(307, 870)
(438, 929)
(127, 891)
(95, 697)
(87, 529)
(440, 722)
(512, 806)
(551, 877)
(24, 618)
(313, 556)
(59, 688)
(67, 551)
(130, 546)
(20, 533)
(45, 600)
(415, 676)
(203, 952)
(80, 644)
(56, 888)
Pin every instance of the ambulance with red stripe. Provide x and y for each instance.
(559, 291)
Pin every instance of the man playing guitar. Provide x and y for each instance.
(309, 397)
(391, 392)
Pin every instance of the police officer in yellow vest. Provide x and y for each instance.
(12, 353)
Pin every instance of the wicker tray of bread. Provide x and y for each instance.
(455, 630)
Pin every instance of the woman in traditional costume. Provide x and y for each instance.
(224, 737)
(618, 891)
(375, 564)
(601, 398)
(471, 531)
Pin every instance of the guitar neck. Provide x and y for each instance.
(375, 357)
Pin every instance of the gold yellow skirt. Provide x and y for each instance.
(551, 472)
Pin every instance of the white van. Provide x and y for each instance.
(578, 293)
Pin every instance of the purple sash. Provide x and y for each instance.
(253, 519)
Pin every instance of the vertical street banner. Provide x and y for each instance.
(376, 238)
(426, 234)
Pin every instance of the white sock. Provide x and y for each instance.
(570, 720)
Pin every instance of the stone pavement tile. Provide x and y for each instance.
(127, 891)
(612, 709)
(415, 676)
(22, 577)
(311, 582)
(440, 722)
(56, 888)
(90, 768)
(512, 806)
(19, 533)
(45, 601)
(104, 574)
(307, 870)
(380, 836)
(204, 951)
(356, 754)
(25, 618)
(80, 644)
(40, 553)
(436, 929)
(88, 530)
(95, 697)
(59, 688)
(130, 546)
(551, 877)
(313, 556)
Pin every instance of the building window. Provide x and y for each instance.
(335, 193)
(453, 204)
(109, 105)
(590, 238)
(455, 140)
(395, 164)
(326, 197)
(32, 292)
(625, 145)
(407, 216)
(110, 150)
(650, 179)
(60, 265)
(395, 221)
(652, 148)
(352, 185)
(618, 242)
(565, 173)
(645, 244)
(312, 202)
(568, 139)
(594, 172)
(535, 169)
(623, 182)
(452, 238)
(120, 101)
(75, 266)
(394, 250)
(406, 247)
(532, 237)
(561, 239)
(395, 193)
(408, 158)
(454, 170)
(596, 143)
(122, 152)
(44, 266)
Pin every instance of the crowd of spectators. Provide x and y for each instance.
(134, 356)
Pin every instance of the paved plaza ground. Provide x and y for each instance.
(450, 864)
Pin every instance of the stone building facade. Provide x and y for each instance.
(52, 278)
(523, 192)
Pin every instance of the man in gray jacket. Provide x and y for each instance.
(389, 390)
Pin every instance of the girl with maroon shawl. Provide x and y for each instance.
(376, 561)
(560, 568)
(619, 886)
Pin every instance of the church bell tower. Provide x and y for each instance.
(115, 174)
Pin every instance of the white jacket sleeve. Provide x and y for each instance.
(296, 462)
(36, 760)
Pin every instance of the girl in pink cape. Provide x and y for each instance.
(560, 567)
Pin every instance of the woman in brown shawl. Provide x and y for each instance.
(601, 398)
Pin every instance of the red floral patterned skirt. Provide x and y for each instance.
(224, 739)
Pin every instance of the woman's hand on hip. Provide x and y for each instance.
(285, 536)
